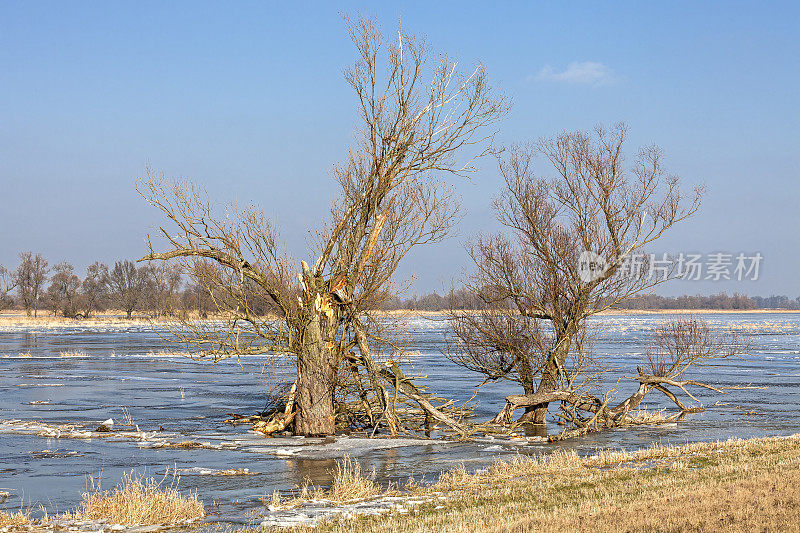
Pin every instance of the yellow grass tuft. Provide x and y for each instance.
(141, 501)
(640, 416)
(235, 472)
(17, 519)
(500, 470)
(275, 500)
(25, 354)
(72, 354)
(350, 483)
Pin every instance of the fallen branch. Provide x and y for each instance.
(404, 385)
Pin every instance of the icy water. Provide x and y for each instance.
(179, 399)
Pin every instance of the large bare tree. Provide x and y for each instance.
(29, 278)
(63, 290)
(421, 118)
(94, 288)
(7, 284)
(165, 284)
(128, 284)
(573, 248)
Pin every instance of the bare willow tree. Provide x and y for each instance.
(165, 284)
(29, 278)
(573, 247)
(63, 293)
(7, 284)
(93, 288)
(673, 348)
(127, 284)
(421, 118)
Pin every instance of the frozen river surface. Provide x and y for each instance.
(123, 374)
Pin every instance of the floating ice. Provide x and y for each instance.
(309, 513)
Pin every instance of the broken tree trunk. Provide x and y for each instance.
(582, 402)
(516, 401)
(317, 363)
(362, 392)
(604, 416)
(279, 421)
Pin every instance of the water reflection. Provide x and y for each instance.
(318, 472)
(535, 430)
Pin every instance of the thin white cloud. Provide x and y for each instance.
(580, 73)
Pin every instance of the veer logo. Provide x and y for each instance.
(591, 266)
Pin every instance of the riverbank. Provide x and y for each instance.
(738, 485)
(117, 318)
(735, 485)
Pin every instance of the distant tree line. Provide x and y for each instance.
(713, 301)
(155, 289)
(463, 299)
(160, 290)
(454, 299)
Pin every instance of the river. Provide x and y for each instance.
(121, 373)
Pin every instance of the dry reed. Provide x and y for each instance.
(141, 501)
(351, 483)
(72, 354)
(15, 519)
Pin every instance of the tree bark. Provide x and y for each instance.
(530, 410)
(537, 414)
(316, 415)
(317, 365)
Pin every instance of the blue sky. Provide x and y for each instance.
(248, 99)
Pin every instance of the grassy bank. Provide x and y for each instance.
(136, 501)
(751, 485)
(731, 486)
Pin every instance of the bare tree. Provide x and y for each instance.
(63, 290)
(127, 285)
(94, 288)
(566, 256)
(419, 115)
(674, 348)
(29, 278)
(7, 285)
(165, 283)
(196, 300)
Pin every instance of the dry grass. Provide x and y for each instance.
(127, 419)
(112, 317)
(235, 472)
(643, 417)
(141, 501)
(17, 519)
(739, 485)
(72, 354)
(350, 483)
(184, 445)
(695, 311)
